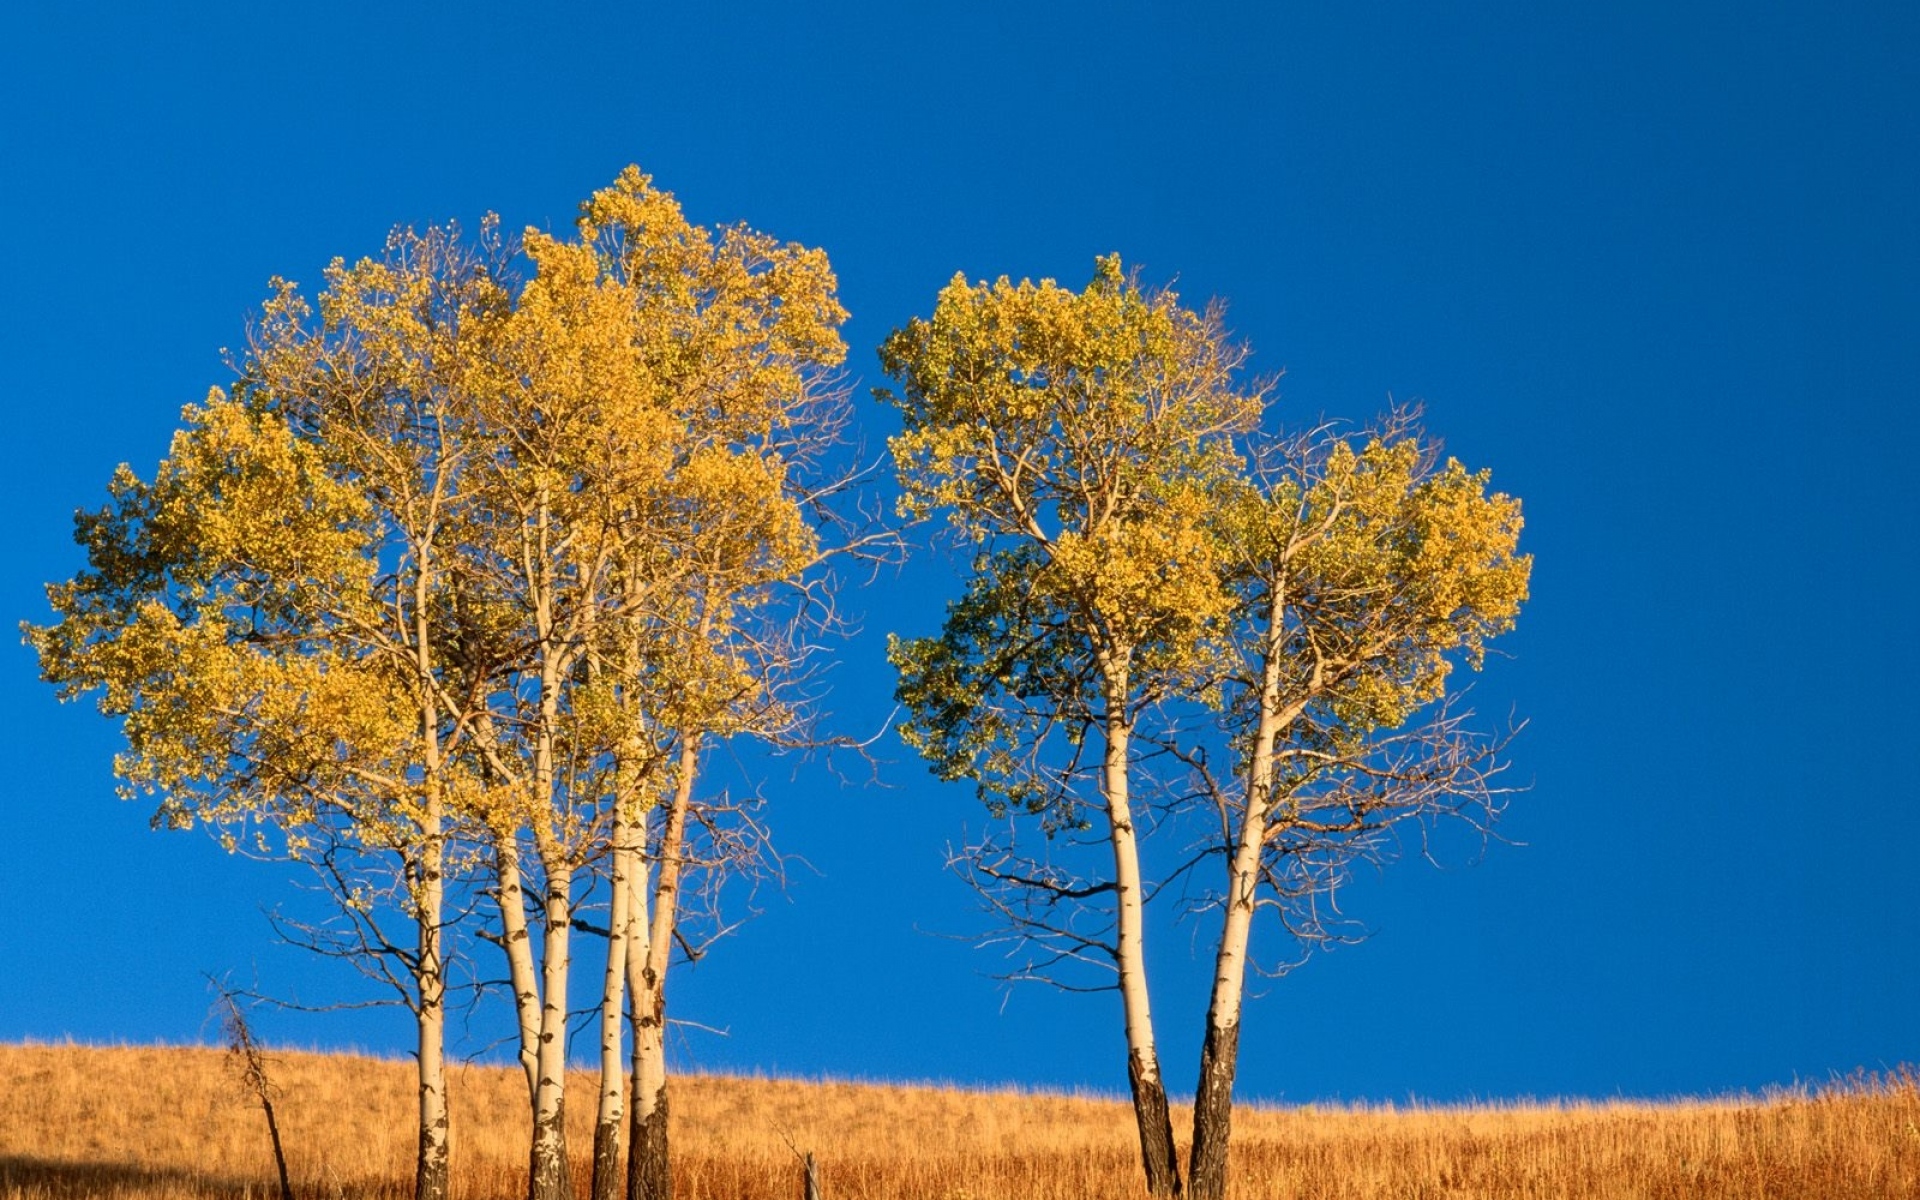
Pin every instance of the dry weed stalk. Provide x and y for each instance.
(249, 1065)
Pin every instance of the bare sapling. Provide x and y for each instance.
(249, 1066)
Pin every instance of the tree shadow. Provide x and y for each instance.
(63, 1178)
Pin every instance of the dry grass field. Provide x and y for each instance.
(171, 1124)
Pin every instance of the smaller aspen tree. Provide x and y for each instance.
(1362, 570)
(1080, 441)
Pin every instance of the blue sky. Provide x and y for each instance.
(1655, 266)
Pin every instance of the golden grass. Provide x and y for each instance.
(169, 1124)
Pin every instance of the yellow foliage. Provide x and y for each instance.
(330, 600)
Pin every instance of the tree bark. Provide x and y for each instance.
(549, 1175)
(432, 1168)
(516, 942)
(1213, 1112)
(1143, 1063)
(611, 1115)
(1220, 1050)
(649, 1173)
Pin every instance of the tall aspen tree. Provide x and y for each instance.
(1155, 579)
(1081, 440)
(653, 382)
(738, 333)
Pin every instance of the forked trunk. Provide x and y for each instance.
(1143, 1061)
(649, 1174)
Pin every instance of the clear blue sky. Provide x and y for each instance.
(1653, 264)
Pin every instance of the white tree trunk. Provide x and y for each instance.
(649, 1174)
(433, 1164)
(1143, 1061)
(432, 1170)
(1220, 1051)
(549, 1170)
(612, 1111)
(517, 944)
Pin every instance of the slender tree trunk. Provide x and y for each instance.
(433, 1167)
(611, 1115)
(648, 1177)
(549, 1175)
(517, 943)
(1220, 1050)
(1143, 1061)
(540, 1005)
(649, 1173)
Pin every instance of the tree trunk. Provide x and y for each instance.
(649, 1174)
(1155, 1123)
(1143, 1062)
(516, 942)
(606, 1128)
(648, 1168)
(432, 1168)
(549, 1175)
(1213, 1112)
(1220, 1051)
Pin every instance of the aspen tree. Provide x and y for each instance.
(571, 425)
(651, 384)
(265, 616)
(1152, 570)
(1362, 570)
(738, 333)
(1081, 440)
(478, 567)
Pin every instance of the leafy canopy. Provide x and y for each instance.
(1083, 441)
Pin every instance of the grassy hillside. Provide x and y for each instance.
(169, 1124)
